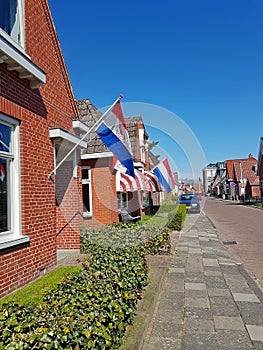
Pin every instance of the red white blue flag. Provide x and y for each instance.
(114, 134)
(165, 175)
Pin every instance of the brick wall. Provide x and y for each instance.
(52, 105)
(104, 195)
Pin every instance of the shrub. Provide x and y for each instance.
(158, 241)
(176, 217)
(150, 238)
(90, 309)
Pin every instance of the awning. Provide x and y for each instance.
(142, 181)
(153, 181)
(125, 183)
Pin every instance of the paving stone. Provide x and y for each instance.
(195, 277)
(223, 306)
(234, 340)
(175, 286)
(229, 323)
(173, 304)
(225, 263)
(195, 251)
(255, 332)
(204, 239)
(251, 298)
(176, 269)
(258, 345)
(197, 341)
(216, 282)
(169, 316)
(197, 302)
(182, 249)
(252, 313)
(215, 292)
(164, 343)
(198, 313)
(194, 267)
(167, 330)
(213, 273)
(189, 293)
(210, 262)
(198, 325)
(195, 286)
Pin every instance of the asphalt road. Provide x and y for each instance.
(242, 224)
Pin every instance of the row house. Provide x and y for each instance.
(107, 190)
(236, 178)
(39, 210)
(208, 177)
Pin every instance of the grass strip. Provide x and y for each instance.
(35, 291)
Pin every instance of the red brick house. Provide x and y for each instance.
(107, 191)
(242, 177)
(38, 216)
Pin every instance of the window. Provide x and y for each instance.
(86, 191)
(145, 200)
(122, 201)
(11, 19)
(10, 217)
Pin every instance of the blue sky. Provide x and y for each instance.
(200, 60)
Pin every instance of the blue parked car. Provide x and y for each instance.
(191, 201)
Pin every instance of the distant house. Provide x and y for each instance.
(38, 217)
(242, 177)
(208, 177)
(107, 190)
(213, 179)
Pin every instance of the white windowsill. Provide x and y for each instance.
(8, 241)
(87, 215)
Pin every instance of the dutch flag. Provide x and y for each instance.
(165, 175)
(114, 134)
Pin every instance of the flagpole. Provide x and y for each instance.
(88, 132)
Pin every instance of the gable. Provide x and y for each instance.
(42, 45)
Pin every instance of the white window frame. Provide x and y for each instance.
(87, 214)
(14, 235)
(19, 45)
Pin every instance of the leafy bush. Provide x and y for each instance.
(158, 241)
(90, 309)
(150, 238)
(176, 217)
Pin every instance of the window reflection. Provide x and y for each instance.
(10, 19)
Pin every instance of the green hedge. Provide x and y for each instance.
(176, 217)
(90, 309)
(150, 238)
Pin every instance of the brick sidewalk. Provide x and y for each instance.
(208, 301)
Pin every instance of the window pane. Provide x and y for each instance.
(5, 138)
(9, 19)
(4, 226)
(86, 197)
(85, 173)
